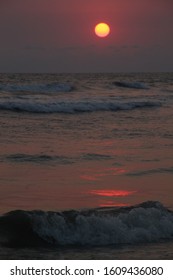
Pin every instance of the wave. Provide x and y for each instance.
(136, 85)
(56, 159)
(91, 157)
(37, 88)
(151, 171)
(40, 159)
(74, 106)
(147, 222)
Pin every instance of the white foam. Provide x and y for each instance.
(138, 225)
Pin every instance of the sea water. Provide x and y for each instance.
(79, 153)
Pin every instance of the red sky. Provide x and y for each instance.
(58, 36)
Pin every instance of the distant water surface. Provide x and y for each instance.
(85, 140)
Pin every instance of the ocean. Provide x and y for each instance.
(86, 166)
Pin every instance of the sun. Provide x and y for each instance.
(102, 29)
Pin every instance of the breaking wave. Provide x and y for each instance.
(74, 106)
(136, 85)
(42, 88)
(146, 222)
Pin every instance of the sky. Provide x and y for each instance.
(56, 36)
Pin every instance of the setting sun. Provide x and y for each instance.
(102, 29)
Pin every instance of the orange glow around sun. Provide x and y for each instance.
(102, 29)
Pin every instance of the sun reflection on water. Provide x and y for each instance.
(112, 193)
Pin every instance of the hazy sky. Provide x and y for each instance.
(58, 35)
